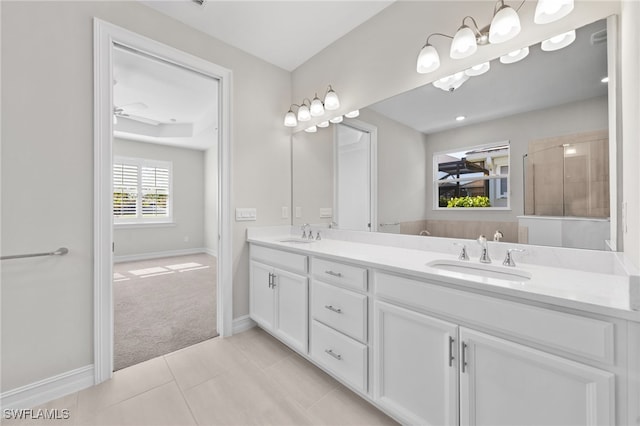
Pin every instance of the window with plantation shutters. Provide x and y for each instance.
(141, 190)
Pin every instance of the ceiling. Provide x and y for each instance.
(284, 33)
(159, 102)
(541, 80)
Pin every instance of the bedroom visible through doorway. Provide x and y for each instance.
(165, 206)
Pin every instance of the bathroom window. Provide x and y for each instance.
(141, 191)
(475, 177)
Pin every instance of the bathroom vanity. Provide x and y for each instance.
(430, 342)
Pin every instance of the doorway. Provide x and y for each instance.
(156, 203)
(355, 180)
(165, 174)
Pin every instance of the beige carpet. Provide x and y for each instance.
(162, 305)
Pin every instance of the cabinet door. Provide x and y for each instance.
(262, 298)
(292, 314)
(504, 383)
(415, 370)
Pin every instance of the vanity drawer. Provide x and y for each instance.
(283, 259)
(585, 337)
(344, 310)
(340, 354)
(339, 273)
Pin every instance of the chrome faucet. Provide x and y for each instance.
(508, 260)
(484, 257)
(304, 230)
(463, 252)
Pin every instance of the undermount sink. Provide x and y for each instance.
(296, 241)
(481, 270)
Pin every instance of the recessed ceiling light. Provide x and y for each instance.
(460, 118)
(605, 80)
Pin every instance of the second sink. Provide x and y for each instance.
(481, 270)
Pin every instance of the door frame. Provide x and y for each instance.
(373, 168)
(105, 35)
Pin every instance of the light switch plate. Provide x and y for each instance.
(298, 212)
(245, 214)
(326, 213)
(285, 212)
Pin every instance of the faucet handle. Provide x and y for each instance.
(318, 236)
(508, 259)
(463, 252)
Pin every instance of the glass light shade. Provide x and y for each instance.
(353, 114)
(505, 25)
(303, 113)
(290, 119)
(323, 124)
(336, 120)
(559, 41)
(451, 82)
(316, 108)
(477, 70)
(331, 101)
(515, 56)
(428, 60)
(552, 10)
(311, 129)
(464, 43)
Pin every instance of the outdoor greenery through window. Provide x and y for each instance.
(474, 177)
(141, 190)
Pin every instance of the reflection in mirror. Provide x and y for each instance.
(476, 177)
(557, 98)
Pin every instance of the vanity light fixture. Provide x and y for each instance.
(552, 10)
(336, 120)
(323, 124)
(515, 56)
(311, 129)
(353, 114)
(314, 108)
(460, 118)
(504, 26)
(605, 79)
(559, 41)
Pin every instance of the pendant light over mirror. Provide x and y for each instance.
(552, 10)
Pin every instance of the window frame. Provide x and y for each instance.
(140, 220)
(494, 179)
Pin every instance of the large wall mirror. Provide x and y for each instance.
(535, 132)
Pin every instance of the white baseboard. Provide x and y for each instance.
(158, 255)
(243, 323)
(46, 390)
(211, 252)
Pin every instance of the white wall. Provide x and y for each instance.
(188, 192)
(47, 156)
(402, 170)
(520, 129)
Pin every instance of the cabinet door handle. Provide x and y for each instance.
(270, 279)
(332, 309)
(273, 280)
(333, 354)
(464, 357)
(335, 274)
(451, 357)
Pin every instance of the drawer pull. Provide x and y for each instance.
(335, 274)
(333, 354)
(332, 309)
(464, 357)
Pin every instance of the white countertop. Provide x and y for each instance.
(602, 293)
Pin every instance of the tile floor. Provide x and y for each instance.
(248, 379)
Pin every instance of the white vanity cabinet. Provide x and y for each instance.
(279, 295)
(502, 383)
(415, 365)
(426, 368)
(339, 320)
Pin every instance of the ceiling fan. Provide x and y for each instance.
(124, 111)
